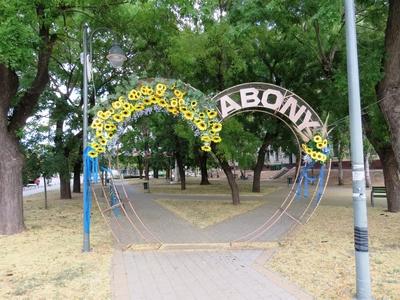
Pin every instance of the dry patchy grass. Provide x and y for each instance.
(193, 187)
(320, 256)
(204, 213)
(46, 262)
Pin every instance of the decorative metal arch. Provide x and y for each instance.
(305, 124)
(206, 118)
(143, 97)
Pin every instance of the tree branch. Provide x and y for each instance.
(30, 98)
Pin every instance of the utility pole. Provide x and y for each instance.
(363, 280)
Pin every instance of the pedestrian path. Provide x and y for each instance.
(169, 228)
(208, 275)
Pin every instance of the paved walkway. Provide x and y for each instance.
(170, 228)
(208, 275)
(195, 274)
(201, 274)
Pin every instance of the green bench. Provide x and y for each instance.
(377, 192)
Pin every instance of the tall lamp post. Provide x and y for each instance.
(363, 280)
(116, 57)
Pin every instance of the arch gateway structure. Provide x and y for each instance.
(206, 117)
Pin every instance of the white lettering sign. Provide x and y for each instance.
(295, 109)
(269, 104)
(228, 105)
(249, 97)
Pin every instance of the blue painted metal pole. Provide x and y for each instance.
(86, 179)
(363, 280)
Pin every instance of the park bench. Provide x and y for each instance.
(377, 192)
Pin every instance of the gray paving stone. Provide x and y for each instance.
(171, 229)
(193, 275)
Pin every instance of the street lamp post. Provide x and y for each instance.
(116, 58)
(363, 280)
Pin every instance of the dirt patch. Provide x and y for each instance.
(46, 262)
(320, 256)
(204, 213)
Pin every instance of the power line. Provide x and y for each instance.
(364, 109)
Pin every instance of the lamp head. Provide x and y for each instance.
(116, 56)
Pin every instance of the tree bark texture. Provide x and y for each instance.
(367, 170)
(11, 205)
(63, 161)
(181, 169)
(76, 188)
(392, 180)
(11, 159)
(155, 172)
(260, 164)
(389, 165)
(203, 168)
(229, 176)
(388, 89)
(340, 171)
(65, 186)
(45, 192)
(146, 169)
(339, 154)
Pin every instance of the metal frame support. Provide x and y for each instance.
(363, 280)
(86, 183)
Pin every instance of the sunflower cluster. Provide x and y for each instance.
(170, 98)
(317, 148)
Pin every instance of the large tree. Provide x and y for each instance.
(388, 95)
(28, 35)
(18, 101)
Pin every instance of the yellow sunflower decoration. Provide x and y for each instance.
(171, 96)
(317, 148)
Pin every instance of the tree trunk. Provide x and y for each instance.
(339, 154)
(229, 175)
(181, 169)
(63, 164)
(340, 171)
(76, 188)
(389, 165)
(65, 186)
(11, 205)
(203, 168)
(146, 169)
(367, 170)
(391, 176)
(11, 159)
(155, 173)
(260, 164)
(388, 89)
(290, 159)
(231, 181)
(45, 191)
